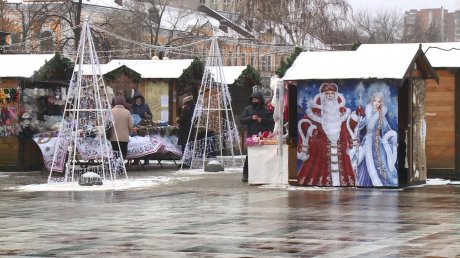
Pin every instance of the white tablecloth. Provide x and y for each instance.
(263, 165)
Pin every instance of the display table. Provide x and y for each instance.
(157, 146)
(263, 165)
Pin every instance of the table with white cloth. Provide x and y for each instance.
(161, 147)
(263, 165)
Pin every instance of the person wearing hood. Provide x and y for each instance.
(185, 121)
(143, 110)
(139, 107)
(258, 119)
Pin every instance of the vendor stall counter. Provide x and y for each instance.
(263, 165)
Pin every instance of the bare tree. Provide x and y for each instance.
(383, 26)
(67, 15)
(298, 21)
(31, 17)
(3, 18)
(165, 25)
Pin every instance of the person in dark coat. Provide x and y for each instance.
(139, 107)
(185, 121)
(143, 110)
(258, 119)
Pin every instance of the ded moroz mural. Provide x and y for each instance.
(347, 133)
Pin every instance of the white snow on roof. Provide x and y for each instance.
(185, 19)
(87, 69)
(154, 69)
(444, 55)
(362, 64)
(22, 65)
(101, 3)
(228, 75)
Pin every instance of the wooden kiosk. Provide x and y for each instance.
(442, 105)
(358, 118)
(16, 152)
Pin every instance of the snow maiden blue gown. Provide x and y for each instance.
(378, 152)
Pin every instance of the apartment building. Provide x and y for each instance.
(431, 25)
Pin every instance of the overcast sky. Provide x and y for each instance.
(405, 5)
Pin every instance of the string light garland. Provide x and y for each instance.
(193, 49)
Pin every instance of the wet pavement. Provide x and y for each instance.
(216, 215)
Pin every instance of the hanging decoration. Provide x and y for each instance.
(213, 133)
(8, 112)
(82, 145)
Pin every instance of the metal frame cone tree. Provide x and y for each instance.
(213, 134)
(82, 146)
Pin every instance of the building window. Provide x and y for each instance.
(46, 44)
(262, 63)
(202, 1)
(229, 59)
(215, 1)
(243, 59)
(226, 2)
(269, 63)
(253, 60)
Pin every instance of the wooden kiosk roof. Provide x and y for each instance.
(374, 63)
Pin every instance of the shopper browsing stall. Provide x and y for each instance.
(123, 125)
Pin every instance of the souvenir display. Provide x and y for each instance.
(8, 112)
(43, 108)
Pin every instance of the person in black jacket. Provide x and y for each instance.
(185, 120)
(258, 119)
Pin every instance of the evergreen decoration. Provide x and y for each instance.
(286, 64)
(123, 70)
(57, 67)
(249, 77)
(356, 45)
(193, 72)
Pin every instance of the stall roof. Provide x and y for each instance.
(105, 68)
(20, 65)
(361, 64)
(154, 69)
(229, 73)
(440, 55)
(148, 69)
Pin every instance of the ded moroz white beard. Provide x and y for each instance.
(330, 120)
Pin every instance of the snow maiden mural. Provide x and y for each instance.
(347, 133)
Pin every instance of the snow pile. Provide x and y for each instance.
(138, 183)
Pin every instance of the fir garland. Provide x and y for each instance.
(56, 67)
(286, 64)
(193, 72)
(249, 77)
(123, 70)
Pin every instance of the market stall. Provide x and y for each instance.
(359, 120)
(442, 106)
(17, 153)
